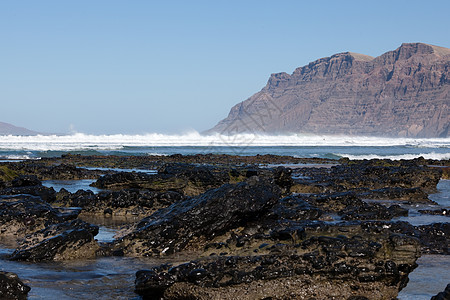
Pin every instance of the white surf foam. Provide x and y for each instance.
(80, 141)
(16, 157)
(431, 155)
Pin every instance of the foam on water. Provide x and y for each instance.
(80, 141)
(431, 155)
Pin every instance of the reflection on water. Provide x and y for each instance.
(71, 185)
(103, 278)
(147, 171)
(442, 197)
(108, 226)
(428, 279)
(113, 277)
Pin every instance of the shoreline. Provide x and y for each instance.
(310, 216)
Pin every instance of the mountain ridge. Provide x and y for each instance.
(401, 93)
(9, 129)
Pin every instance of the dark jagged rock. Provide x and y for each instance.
(24, 214)
(187, 179)
(405, 174)
(45, 193)
(438, 212)
(434, 238)
(377, 179)
(191, 180)
(61, 171)
(335, 202)
(411, 195)
(68, 240)
(250, 236)
(295, 208)
(29, 185)
(372, 212)
(350, 207)
(183, 224)
(11, 287)
(26, 180)
(372, 263)
(445, 295)
(123, 202)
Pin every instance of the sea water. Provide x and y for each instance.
(332, 147)
(113, 278)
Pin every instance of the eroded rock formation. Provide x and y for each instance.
(405, 92)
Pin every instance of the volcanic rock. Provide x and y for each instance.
(369, 262)
(123, 202)
(402, 93)
(11, 287)
(24, 214)
(191, 180)
(186, 223)
(68, 240)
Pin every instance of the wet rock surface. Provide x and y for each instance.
(63, 241)
(47, 170)
(367, 261)
(187, 179)
(190, 180)
(11, 287)
(247, 231)
(185, 224)
(135, 202)
(24, 214)
(439, 212)
(374, 179)
(29, 185)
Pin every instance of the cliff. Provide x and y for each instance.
(402, 93)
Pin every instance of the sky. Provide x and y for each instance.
(135, 67)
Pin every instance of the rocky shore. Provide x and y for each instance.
(260, 227)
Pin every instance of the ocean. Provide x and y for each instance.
(112, 278)
(331, 147)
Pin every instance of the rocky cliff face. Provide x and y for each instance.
(402, 93)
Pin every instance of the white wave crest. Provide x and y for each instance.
(16, 157)
(431, 155)
(80, 141)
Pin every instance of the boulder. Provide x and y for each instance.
(11, 287)
(63, 241)
(374, 265)
(24, 214)
(186, 224)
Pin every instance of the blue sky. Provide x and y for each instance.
(171, 66)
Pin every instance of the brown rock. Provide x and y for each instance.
(405, 92)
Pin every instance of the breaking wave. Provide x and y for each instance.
(80, 141)
(431, 155)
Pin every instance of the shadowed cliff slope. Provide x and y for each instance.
(402, 93)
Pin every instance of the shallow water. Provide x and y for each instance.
(71, 185)
(113, 277)
(123, 170)
(442, 198)
(429, 278)
(103, 278)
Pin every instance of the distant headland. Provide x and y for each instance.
(9, 129)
